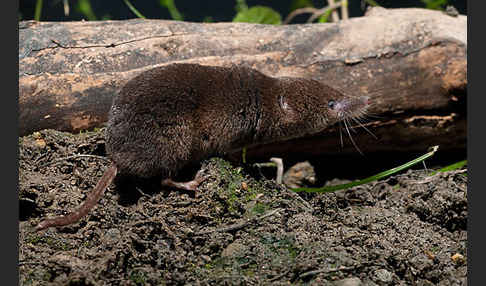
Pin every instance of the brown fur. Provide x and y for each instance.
(170, 116)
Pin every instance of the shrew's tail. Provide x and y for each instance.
(92, 199)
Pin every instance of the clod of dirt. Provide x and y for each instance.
(236, 229)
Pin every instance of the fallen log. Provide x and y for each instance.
(411, 62)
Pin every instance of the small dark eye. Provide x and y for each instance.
(331, 104)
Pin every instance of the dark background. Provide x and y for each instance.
(195, 11)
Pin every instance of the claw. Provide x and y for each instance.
(188, 186)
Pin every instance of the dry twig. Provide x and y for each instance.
(314, 11)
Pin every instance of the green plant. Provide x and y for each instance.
(84, 7)
(325, 17)
(256, 14)
(451, 167)
(372, 2)
(435, 4)
(329, 189)
(138, 277)
(297, 4)
(38, 10)
(174, 13)
(133, 9)
(208, 19)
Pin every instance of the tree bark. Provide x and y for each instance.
(411, 62)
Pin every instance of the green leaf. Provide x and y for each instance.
(38, 10)
(84, 7)
(325, 17)
(296, 4)
(435, 4)
(372, 3)
(451, 167)
(243, 155)
(133, 9)
(329, 189)
(241, 6)
(106, 17)
(174, 13)
(260, 15)
(208, 19)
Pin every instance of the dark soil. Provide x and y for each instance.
(239, 229)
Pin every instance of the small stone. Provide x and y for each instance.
(384, 275)
(244, 186)
(234, 249)
(354, 281)
(300, 175)
(429, 254)
(458, 258)
(112, 235)
(206, 258)
(187, 231)
(451, 11)
(36, 135)
(41, 143)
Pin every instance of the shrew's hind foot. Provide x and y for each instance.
(188, 186)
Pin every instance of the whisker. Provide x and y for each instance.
(351, 137)
(374, 116)
(364, 127)
(341, 134)
(361, 118)
(367, 113)
(351, 127)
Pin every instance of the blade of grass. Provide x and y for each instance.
(133, 9)
(38, 10)
(241, 6)
(65, 4)
(243, 155)
(84, 7)
(174, 13)
(372, 2)
(451, 167)
(329, 189)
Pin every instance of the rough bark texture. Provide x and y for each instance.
(412, 63)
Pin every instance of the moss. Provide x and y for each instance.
(34, 276)
(138, 277)
(34, 239)
(88, 132)
(51, 242)
(288, 245)
(250, 272)
(259, 208)
(280, 249)
(208, 266)
(435, 249)
(47, 276)
(231, 185)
